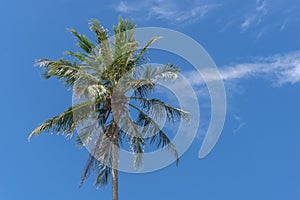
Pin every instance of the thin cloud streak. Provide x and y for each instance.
(280, 69)
(166, 9)
(255, 17)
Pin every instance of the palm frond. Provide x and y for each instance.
(100, 154)
(78, 55)
(173, 113)
(83, 42)
(145, 48)
(91, 91)
(97, 71)
(124, 46)
(129, 129)
(103, 153)
(167, 72)
(87, 169)
(104, 173)
(153, 133)
(86, 134)
(143, 79)
(65, 123)
(103, 41)
(65, 70)
(141, 87)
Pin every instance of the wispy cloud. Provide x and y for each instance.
(167, 9)
(256, 16)
(280, 69)
(260, 16)
(241, 124)
(124, 7)
(270, 15)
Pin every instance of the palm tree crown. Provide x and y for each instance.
(102, 75)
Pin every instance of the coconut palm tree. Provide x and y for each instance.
(102, 75)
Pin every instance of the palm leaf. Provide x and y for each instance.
(87, 169)
(153, 132)
(145, 48)
(104, 173)
(83, 42)
(65, 123)
(103, 41)
(173, 113)
(69, 72)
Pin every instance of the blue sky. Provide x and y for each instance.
(255, 44)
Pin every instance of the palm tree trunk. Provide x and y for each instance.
(115, 184)
(115, 175)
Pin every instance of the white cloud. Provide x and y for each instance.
(260, 16)
(255, 17)
(241, 124)
(162, 12)
(196, 12)
(280, 69)
(123, 7)
(166, 9)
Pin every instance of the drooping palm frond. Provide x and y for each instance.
(100, 151)
(166, 72)
(65, 70)
(104, 173)
(153, 132)
(66, 122)
(173, 114)
(129, 129)
(142, 80)
(62, 123)
(141, 87)
(136, 146)
(87, 133)
(91, 91)
(88, 166)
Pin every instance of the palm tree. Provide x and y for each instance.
(108, 71)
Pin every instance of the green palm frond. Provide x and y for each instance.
(104, 152)
(91, 91)
(85, 134)
(65, 123)
(152, 132)
(141, 87)
(62, 123)
(101, 156)
(83, 42)
(78, 55)
(167, 72)
(144, 49)
(133, 136)
(94, 64)
(103, 41)
(173, 113)
(88, 167)
(142, 80)
(124, 46)
(127, 125)
(65, 70)
(104, 173)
